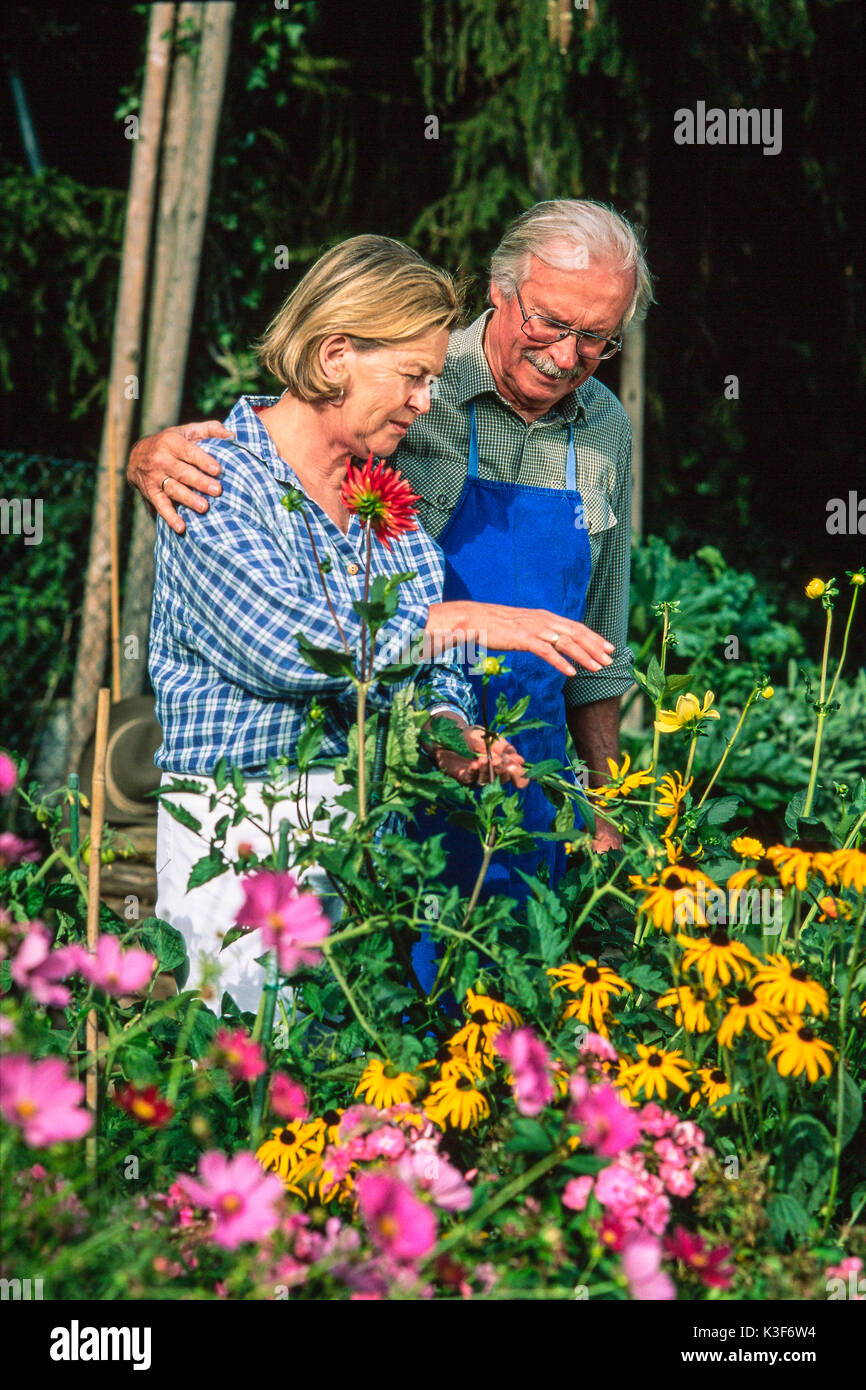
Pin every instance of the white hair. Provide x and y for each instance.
(568, 234)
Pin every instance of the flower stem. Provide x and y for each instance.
(729, 745)
(324, 582)
(658, 705)
(822, 715)
(840, 1077)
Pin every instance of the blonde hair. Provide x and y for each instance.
(583, 225)
(373, 289)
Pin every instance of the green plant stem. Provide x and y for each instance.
(844, 1000)
(657, 707)
(362, 688)
(344, 986)
(729, 745)
(324, 582)
(691, 757)
(265, 1014)
(511, 1189)
(844, 651)
(822, 715)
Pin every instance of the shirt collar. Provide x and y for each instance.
(474, 377)
(251, 435)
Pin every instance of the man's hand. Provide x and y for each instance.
(172, 457)
(503, 761)
(557, 640)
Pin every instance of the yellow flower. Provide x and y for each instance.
(717, 956)
(491, 1008)
(798, 1050)
(672, 896)
(796, 865)
(815, 588)
(622, 782)
(688, 711)
(491, 666)
(832, 909)
(764, 871)
(858, 578)
(849, 865)
(654, 1070)
(290, 1147)
(672, 794)
(787, 986)
(595, 984)
(381, 1084)
(768, 692)
(456, 1100)
(747, 1008)
(747, 848)
(691, 1007)
(714, 1085)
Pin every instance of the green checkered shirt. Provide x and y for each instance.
(434, 458)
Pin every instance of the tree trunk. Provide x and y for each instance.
(632, 390)
(125, 360)
(168, 341)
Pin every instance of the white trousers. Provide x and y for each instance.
(204, 914)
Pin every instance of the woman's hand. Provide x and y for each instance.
(500, 761)
(557, 640)
(172, 457)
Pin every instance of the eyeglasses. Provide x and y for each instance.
(587, 345)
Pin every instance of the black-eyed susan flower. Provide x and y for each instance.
(622, 782)
(748, 1009)
(672, 793)
(834, 910)
(456, 1100)
(487, 1017)
(382, 1084)
(290, 1145)
(797, 1049)
(798, 863)
(762, 871)
(654, 1069)
(747, 847)
(786, 985)
(674, 897)
(849, 867)
(714, 1085)
(594, 984)
(691, 1007)
(689, 710)
(717, 956)
(493, 1009)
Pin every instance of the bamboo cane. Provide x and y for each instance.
(114, 561)
(97, 812)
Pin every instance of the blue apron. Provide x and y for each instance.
(527, 547)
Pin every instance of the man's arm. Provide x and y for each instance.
(595, 731)
(189, 472)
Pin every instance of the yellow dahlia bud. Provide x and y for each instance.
(491, 666)
(815, 588)
(858, 578)
(768, 692)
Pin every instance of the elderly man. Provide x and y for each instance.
(523, 466)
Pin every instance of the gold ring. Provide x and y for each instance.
(163, 483)
(555, 638)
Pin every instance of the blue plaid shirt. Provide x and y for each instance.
(231, 596)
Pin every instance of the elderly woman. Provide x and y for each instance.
(357, 346)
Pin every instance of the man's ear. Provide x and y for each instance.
(497, 298)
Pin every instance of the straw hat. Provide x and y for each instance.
(133, 737)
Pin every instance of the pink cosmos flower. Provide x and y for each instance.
(16, 851)
(244, 1199)
(530, 1064)
(641, 1261)
(8, 774)
(42, 1099)
(7, 1027)
(611, 1232)
(288, 1098)
(112, 969)
(237, 1052)
(37, 967)
(576, 1192)
(609, 1126)
(291, 922)
(388, 1142)
(709, 1265)
(401, 1225)
(436, 1176)
(656, 1121)
(596, 1046)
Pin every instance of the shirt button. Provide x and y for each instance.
(352, 569)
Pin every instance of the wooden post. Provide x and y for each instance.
(114, 553)
(125, 367)
(97, 813)
(168, 340)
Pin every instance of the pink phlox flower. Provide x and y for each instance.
(112, 969)
(530, 1065)
(43, 1100)
(37, 967)
(8, 774)
(243, 1199)
(291, 922)
(656, 1121)
(387, 1142)
(576, 1192)
(14, 850)
(641, 1263)
(678, 1180)
(609, 1127)
(401, 1225)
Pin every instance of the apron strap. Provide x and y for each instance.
(571, 461)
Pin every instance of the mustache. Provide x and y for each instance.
(550, 369)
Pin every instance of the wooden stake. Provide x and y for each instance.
(114, 572)
(97, 812)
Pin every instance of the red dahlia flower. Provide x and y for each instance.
(380, 495)
(144, 1103)
(708, 1265)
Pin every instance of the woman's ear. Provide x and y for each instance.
(333, 358)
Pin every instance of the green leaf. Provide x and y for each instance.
(721, 810)
(675, 683)
(466, 975)
(529, 1137)
(446, 734)
(165, 941)
(655, 679)
(787, 1217)
(328, 660)
(852, 1107)
(180, 813)
(220, 774)
(203, 870)
(794, 810)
